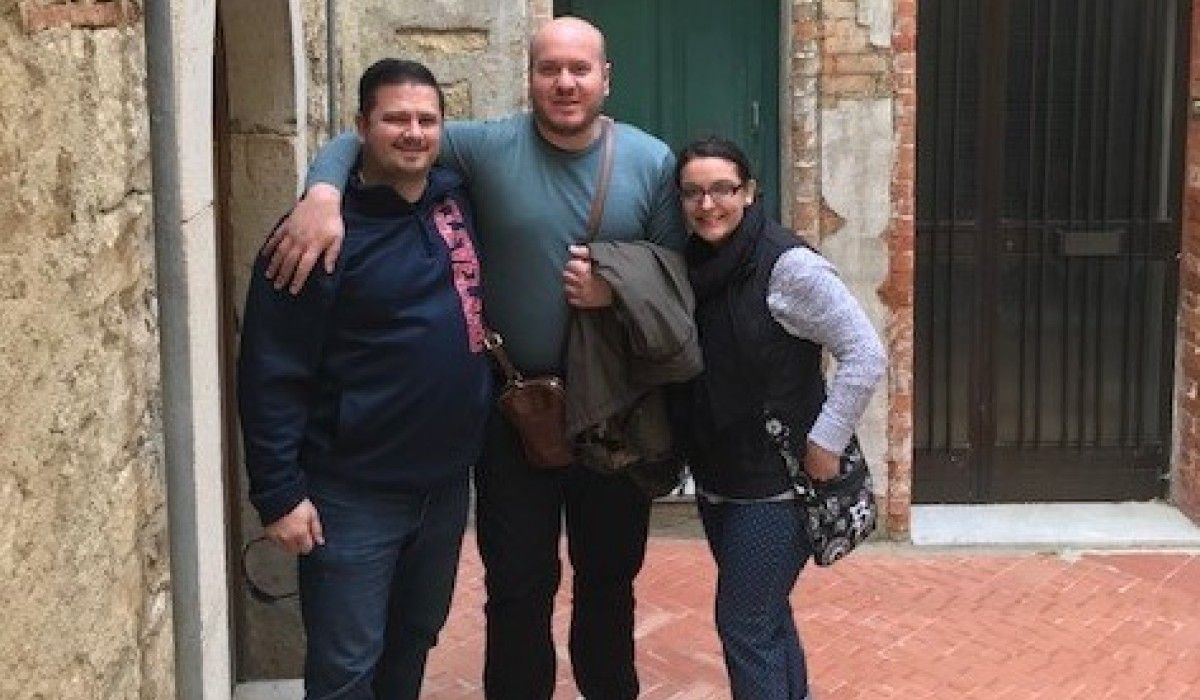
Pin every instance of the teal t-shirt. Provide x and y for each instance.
(531, 202)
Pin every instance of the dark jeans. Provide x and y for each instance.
(376, 594)
(760, 549)
(519, 519)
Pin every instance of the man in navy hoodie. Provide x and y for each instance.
(363, 402)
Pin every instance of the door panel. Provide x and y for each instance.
(1058, 192)
(687, 69)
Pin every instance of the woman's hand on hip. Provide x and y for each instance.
(820, 463)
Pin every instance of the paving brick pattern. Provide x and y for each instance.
(902, 623)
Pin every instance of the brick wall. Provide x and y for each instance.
(851, 66)
(897, 292)
(805, 137)
(843, 52)
(832, 59)
(1185, 484)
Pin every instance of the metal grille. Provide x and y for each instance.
(1047, 234)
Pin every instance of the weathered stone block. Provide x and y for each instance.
(442, 41)
(458, 99)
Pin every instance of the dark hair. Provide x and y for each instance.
(395, 71)
(713, 147)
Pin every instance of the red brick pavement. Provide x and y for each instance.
(903, 623)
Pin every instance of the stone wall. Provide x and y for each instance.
(476, 49)
(83, 548)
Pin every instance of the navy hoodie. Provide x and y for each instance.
(375, 375)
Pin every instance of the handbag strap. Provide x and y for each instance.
(596, 213)
(495, 345)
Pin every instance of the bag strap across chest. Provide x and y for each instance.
(596, 213)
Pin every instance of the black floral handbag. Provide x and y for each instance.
(838, 513)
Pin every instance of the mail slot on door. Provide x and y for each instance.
(1092, 243)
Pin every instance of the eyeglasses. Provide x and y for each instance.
(721, 192)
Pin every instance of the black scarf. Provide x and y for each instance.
(718, 397)
(711, 268)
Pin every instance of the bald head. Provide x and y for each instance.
(568, 81)
(569, 30)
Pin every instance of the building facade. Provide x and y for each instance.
(145, 148)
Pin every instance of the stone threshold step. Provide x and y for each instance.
(1100, 525)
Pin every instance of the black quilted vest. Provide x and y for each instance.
(753, 367)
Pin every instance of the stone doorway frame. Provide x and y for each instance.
(180, 38)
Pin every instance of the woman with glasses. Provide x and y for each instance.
(767, 304)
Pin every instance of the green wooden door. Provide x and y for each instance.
(688, 69)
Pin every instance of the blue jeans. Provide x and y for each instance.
(376, 594)
(760, 549)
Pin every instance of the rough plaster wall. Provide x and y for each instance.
(83, 546)
(476, 49)
(857, 148)
(856, 131)
(876, 15)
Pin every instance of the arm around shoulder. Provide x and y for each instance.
(334, 162)
(314, 230)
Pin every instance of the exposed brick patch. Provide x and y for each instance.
(851, 68)
(1185, 484)
(39, 15)
(805, 126)
(831, 221)
(897, 290)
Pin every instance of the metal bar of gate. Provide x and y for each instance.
(1174, 101)
(1102, 224)
(1138, 198)
(1044, 241)
(1024, 259)
(1073, 179)
(951, 229)
(990, 183)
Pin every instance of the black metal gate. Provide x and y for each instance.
(1049, 136)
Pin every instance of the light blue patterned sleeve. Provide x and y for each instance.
(806, 296)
